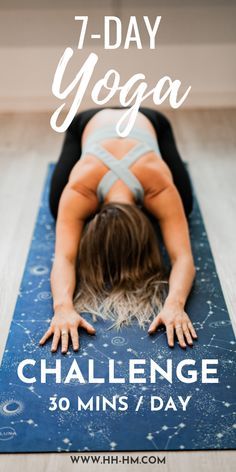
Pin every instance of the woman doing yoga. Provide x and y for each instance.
(105, 191)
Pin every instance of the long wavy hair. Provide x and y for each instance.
(120, 271)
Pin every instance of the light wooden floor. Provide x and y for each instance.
(207, 140)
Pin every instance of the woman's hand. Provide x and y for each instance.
(176, 320)
(63, 324)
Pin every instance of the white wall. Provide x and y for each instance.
(196, 43)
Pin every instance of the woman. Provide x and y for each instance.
(99, 200)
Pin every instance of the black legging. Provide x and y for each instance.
(71, 152)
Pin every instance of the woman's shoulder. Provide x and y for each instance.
(86, 174)
(154, 175)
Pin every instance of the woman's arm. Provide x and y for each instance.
(167, 206)
(74, 208)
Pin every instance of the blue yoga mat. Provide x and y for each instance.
(28, 425)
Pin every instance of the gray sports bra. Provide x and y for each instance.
(119, 169)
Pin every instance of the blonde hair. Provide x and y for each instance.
(120, 272)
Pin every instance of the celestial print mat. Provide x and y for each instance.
(27, 424)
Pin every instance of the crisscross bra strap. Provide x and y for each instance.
(119, 169)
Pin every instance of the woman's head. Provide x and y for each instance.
(119, 263)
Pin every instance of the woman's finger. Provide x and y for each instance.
(154, 325)
(180, 336)
(46, 336)
(170, 335)
(64, 341)
(89, 328)
(74, 338)
(187, 334)
(192, 330)
(55, 340)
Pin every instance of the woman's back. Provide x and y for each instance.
(98, 173)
